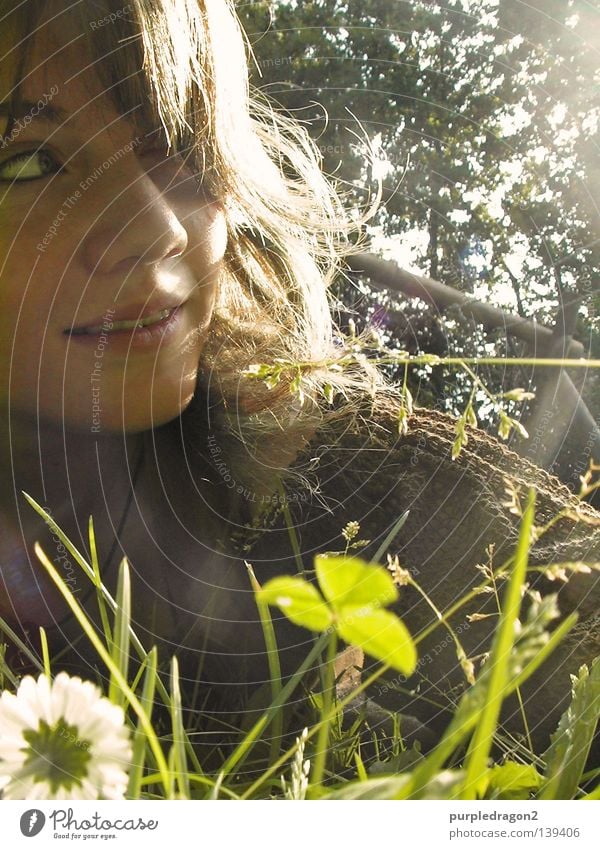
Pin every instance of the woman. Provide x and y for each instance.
(161, 233)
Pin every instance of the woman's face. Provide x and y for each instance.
(98, 227)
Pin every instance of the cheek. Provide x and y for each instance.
(29, 295)
(30, 273)
(24, 308)
(17, 261)
(217, 235)
(207, 231)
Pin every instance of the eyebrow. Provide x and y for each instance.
(46, 111)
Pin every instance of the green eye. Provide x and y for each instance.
(29, 165)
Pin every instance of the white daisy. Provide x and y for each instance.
(62, 740)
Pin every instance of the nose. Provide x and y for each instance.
(133, 222)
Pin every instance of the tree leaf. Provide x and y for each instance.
(380, 634)
(352, 582)
(298, 600)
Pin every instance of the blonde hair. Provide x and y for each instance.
(186, 63)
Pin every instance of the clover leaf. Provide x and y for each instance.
(354, 594)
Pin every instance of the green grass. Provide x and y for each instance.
(266, 762)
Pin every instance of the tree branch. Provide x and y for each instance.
(563, 413)
(388, 275)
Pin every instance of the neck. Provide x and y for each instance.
(68, 472)
(72, 475)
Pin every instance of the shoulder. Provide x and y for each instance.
(364, 450)
(360, 468)
(458, 518)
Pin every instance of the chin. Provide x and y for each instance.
(141, 402)
(130, 415)
(131, 421)
(162, 407)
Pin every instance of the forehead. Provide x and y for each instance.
(56, 67)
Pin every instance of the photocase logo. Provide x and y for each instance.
(32, 822)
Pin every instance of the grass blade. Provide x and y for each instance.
(570, 746)
(273, 660)
(5, 671)
(239, 755)
(499, 661)
(45, 652)
(284, 501)
(76, 554)
(139, 738)
(396, 528)
(90, 632)
(97, 579)
(120, 643)
(18, 642)
(327, 712)
(179, 758)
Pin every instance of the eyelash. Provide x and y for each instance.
(24, 156)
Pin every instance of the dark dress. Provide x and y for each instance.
(361, 469)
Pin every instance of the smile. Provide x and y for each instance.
(115, 326)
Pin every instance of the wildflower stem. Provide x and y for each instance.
(443, 619)
(291, 530)
(433, 360)
(477, 381)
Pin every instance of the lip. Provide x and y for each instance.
(133, 312)
(102, 338)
